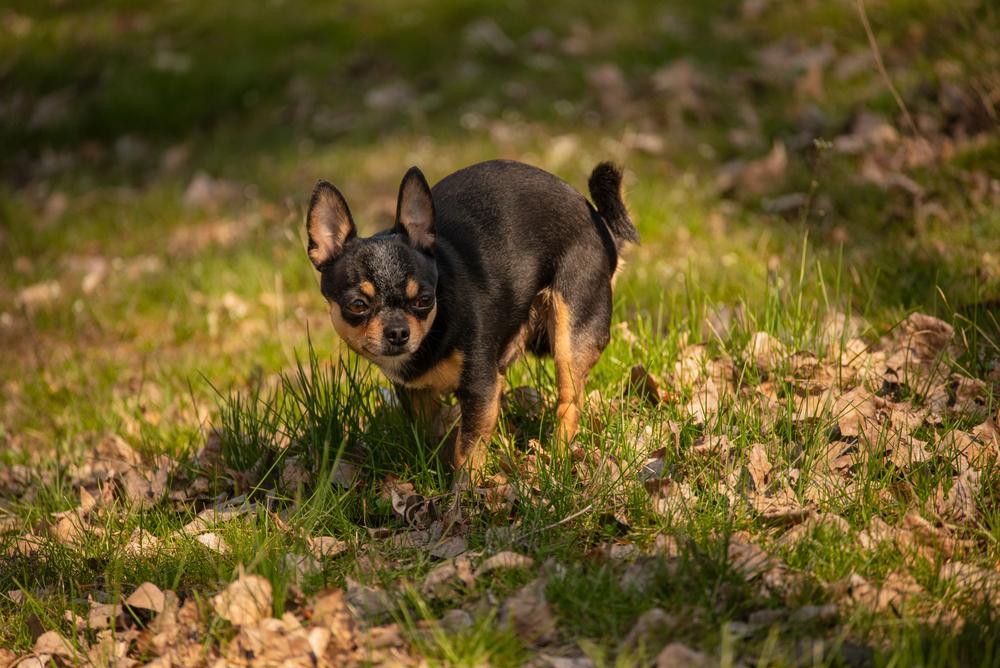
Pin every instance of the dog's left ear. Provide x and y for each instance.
(415, 210)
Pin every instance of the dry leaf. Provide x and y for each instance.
(759, 466)
(103, 615)
(277, 642)
(214, 542)
(679, 655)
(449, 548)
(978, 583)
(960, 503)
(673, 499)
(528, 614)
(765, 350)
(650, 630)
(646, 385)
(748, 559)
(756, 177)
(326, 547)
(503, 561)
(368, 601)
(710, 445)
(893, 594)
(447, 579)
(245, 601)
(146, 597)
(53, 644)
(142, 543)
(781, 508)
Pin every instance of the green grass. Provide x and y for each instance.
(206, 316)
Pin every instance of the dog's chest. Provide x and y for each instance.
(442, 377)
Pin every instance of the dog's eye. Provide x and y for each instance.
(423, 301)
(358, 306)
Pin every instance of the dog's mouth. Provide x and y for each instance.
(387, 351)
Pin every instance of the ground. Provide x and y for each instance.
(789, 451)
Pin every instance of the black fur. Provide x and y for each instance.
(503, 233)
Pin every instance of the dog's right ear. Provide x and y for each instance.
(328, 223)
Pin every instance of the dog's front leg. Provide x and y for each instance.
(479, 400)
(420, 405)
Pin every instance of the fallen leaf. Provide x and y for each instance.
(528, 614)
(147, 596)
(765, 350)
(650, 630)
(646, 385)
(103, 615)
(213, 541)
(756, 177)
(245, 601)
(673, 499)
(759, 466)
(978, 583)
(276, 642)
(449, 548)
(142, 543)
(505, 560)
(679, 655)
(782, 507)
(892, 595)
(53, 644)
(326, 547)
(38, 294)
(960, 503)
(368, 601)
(447, 579)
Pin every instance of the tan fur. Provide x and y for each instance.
(442, 377)
(354, 336)
(328, 224)
(412, 288)
(475, 433)
(574, 358)
(366, 340)
(367, 289)
(419, 328)
(538, 317)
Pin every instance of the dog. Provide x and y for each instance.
(497, 258)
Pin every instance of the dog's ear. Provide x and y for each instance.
(415, 210)
(328, 223)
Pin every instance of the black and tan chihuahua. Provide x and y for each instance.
(497, 258)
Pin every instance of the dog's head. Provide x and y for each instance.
(381, 289)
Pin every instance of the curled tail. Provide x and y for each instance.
(606, 190)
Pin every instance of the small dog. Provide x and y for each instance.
(497, 258)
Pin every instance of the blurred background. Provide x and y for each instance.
(156, 158)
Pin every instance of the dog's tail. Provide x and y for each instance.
(606, 190)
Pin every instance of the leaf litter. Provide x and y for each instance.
(863, 400)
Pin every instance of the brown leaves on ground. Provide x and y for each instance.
(529, 615)
(176, 633)
(245, 601)
(872, 402)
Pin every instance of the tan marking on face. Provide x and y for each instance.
(419, 328)
(364, 339)
(367, 288)
(412, 288)
(353, 336)
(443, 376)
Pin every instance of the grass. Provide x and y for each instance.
(204, 315)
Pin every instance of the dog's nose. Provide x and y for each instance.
(398, 335)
